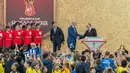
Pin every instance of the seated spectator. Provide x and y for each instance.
(123, 67)
(38, 51)
(1, 65)
(69, 57)
(27, 65)
(21, 68)
(83, 67)
(106, 61)
(124, 72)
(108, 70)
(35, 51)
(56, 69)
(92, 70)
(73, 68)
(5, 56)
(32, 51)
(98, 67)
(44, 69)
(112, 60)
(76, 56)
(47, 63)
(36, 68)
(65, 62)
(14, 68)
(9, 63)
(25, 53)
(66, 68)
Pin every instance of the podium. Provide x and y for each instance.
(93, 43)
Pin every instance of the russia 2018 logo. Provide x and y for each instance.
(30, 11)
(29, 7)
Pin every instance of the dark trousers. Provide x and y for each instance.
(56, 46)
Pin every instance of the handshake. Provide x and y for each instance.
(79, 37)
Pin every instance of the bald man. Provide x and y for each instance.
(72, 36)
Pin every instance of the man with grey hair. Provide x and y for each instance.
(72, 36)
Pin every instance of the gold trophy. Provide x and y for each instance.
(31, 1)
(29, 9)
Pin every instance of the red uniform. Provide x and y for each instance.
(1, 38)
(7, 39)
(11, 30)
(37, 34)
(22, 31)
(27, 37)
(17, 36)
(33, 31)
(22, 34)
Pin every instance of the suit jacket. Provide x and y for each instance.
(92, 33)
(57, 36)
(72, 35)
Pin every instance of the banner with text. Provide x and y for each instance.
(30, 11)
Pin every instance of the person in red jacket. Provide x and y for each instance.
(27, 34)
(33, 27)
(22, 28)
(38, 34)
(11, 27)
(1, 38)
(7, 38)
(17, 36)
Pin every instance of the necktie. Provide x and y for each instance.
(89, 30)
(74, 29)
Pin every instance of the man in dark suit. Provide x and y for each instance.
(91, 32)
(57, 37)
(72, 36)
